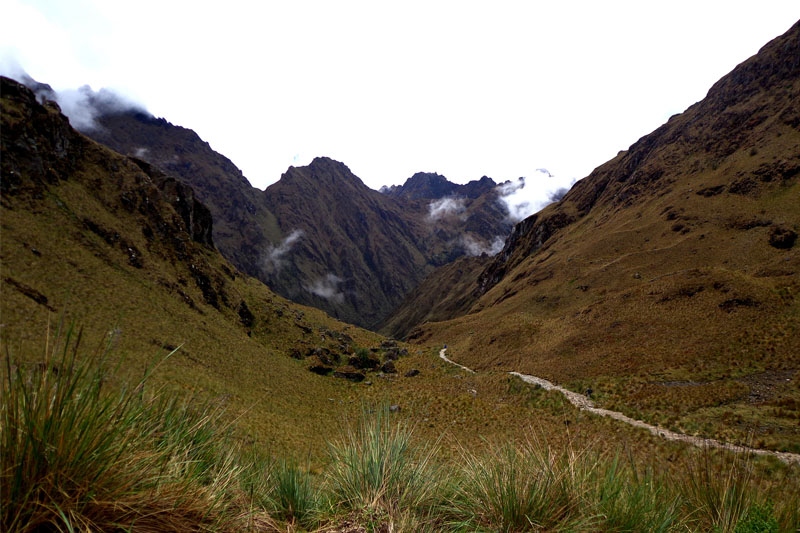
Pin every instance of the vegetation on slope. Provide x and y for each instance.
(81, 450)
(667, 281)
(114, 243)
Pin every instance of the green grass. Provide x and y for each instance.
(294, 497)
(376, 467)
(83, 451)
(520, 488)
(80, 454)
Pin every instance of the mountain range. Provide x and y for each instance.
(318, 236)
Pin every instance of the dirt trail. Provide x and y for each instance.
(585, 404)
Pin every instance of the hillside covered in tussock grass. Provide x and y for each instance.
(668, 280)
(78, 456)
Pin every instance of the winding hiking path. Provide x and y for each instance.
(585, 404)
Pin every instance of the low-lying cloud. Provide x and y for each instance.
(527, 196)
(83, 106)
(274, 256)
(446, 207)
(327, 287)
(473, 247)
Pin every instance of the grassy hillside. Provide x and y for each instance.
(447, 291)
(106, 242)
(669, 279)
(109, 243)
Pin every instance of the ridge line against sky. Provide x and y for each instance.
(460, 88)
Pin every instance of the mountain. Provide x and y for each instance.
(126, 252)
(356, 252)
(675, 263)
(448, 291)
(318, 236)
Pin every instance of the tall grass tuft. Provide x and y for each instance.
(294, 497)
(627, 500)
(79, 454)
(376, 467)
(521, 488)
(719, 495)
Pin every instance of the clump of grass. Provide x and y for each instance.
(76, 454)
(521, 488)
(720, 496)
(627, 500)
(294, 497)
(377, 468)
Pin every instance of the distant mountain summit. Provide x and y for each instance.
(433, 186)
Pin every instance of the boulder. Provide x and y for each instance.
(411, 373)
(388, 368)
(370, 362)
(317, 366)
(349, 373)
(783, 238)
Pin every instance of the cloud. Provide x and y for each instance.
(473, 247)
(327, 287)
(273, 258)
(82, 105)
(445, 207)
(526, 196)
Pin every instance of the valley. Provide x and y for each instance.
(640, 333)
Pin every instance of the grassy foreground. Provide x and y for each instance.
(82, 452)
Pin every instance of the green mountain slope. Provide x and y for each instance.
(668, 279)
(121, 248)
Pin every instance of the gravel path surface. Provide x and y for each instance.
(585, 404)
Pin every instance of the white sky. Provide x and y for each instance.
(461, 88)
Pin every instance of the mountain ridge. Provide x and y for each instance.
(251, 225)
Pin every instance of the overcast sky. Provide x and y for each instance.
(465, 89)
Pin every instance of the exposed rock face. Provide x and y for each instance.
(126, 211)
(243, 225)
(43, 147)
